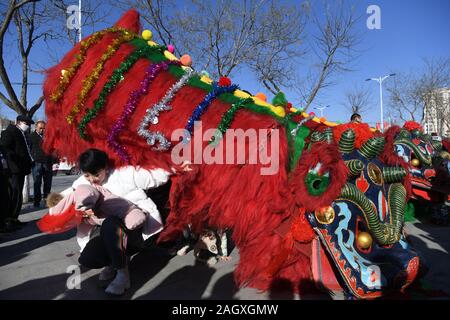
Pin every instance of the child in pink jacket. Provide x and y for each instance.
(98, 203)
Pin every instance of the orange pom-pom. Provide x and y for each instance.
(186, 60)
(224, 82)
(261, 96)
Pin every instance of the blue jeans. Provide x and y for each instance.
(41, 171)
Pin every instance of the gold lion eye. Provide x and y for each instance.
(375, 174)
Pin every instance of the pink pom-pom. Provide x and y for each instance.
(171, 48)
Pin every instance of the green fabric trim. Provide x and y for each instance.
(409, 212)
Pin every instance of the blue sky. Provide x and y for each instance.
(410, 31)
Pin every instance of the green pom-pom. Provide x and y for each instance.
(279, 100)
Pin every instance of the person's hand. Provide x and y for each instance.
(88, 213)
(225, 258)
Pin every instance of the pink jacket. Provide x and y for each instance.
(103, 203)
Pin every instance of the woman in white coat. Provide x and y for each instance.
(116, 243)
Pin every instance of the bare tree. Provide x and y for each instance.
(260, 35)
(28, 23)
(263, 37)
(334, 47)
(411, 94)
(357, 100)
(278, 40)
(26, 39)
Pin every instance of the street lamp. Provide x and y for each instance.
(380, 81)
(321, 109)
(79, 20)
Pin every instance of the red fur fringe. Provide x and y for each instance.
(412, 125)
(390, 157)
(362, 132)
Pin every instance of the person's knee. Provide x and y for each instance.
(110, 225)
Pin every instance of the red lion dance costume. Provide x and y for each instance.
(119, 92)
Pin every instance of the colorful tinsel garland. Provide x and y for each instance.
(90, 81)
(217, 90)
(115, 78)
(133, 100)
(152, 113)
(70, 72)
(228, 118)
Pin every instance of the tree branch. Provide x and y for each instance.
(36, 106)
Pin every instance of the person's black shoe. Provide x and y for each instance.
(19, 224)
(8, 227)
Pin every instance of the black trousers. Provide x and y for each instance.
(5, 198)
(112, 245)
(17, 181)
(41, 171)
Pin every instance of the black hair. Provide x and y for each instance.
(93, 160)
(354, 116)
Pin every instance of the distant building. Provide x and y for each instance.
(4, 123)
(436, 117)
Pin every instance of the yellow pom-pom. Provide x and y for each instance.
(186, 60)
(147, 35)
(205, 79)
(170, 56)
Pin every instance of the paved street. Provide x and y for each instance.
(37, 266)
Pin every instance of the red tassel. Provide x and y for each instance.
(60, 223)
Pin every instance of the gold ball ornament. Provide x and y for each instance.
(364, 240)
(147, 35)
(325, 215)
(415, 162)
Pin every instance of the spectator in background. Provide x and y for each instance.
(356, 118)
(15, 141)
(5, 195)
(42, 166)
